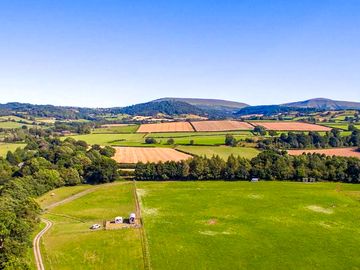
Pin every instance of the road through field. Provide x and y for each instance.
(36, 242)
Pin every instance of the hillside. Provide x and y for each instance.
(168, 107)
(209, 104)
(325, 104)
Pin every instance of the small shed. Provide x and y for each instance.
(132, 218)
(119, 220)
(254, 179)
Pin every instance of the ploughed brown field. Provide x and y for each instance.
(147, 154)
(226, 125)
(343, 152)
(291, 126)
(166, 127)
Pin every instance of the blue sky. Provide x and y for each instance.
(114, 53)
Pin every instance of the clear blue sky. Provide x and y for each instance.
(115, 53)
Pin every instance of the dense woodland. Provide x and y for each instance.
(46, 163)
(268, 165)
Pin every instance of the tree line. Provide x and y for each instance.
(312, 139)
(45, 163)
(268, 165)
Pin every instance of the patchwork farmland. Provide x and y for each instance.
(291, 126)
(166, 127)
(343, 152)
(226, 125)
(147, 154)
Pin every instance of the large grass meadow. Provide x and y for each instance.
(242, 225)
(71, 243)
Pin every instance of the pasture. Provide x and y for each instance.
(70, 241)
(12, 125)
(116, 128)
(5, 147)
(342, 152)
(166, 127)
(222, 151)
(111, 139)
(242, 225)
(225, 125)
(291, 126)
(147, 154)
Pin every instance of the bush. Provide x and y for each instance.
(150, 140)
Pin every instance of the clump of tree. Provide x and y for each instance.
(45, 163)
(312, 139)
(230, 140)
(268, 165)
(170, 141)
(260, 130)
(150, 140)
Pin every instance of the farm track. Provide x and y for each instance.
(36, 244)
(144, 243)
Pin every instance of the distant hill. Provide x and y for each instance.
(325, 104)
(307, 106)
(209, 104)
(168, 107)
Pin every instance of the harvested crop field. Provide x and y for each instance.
(226, 125)
(291, 126)
(166, 127)
(147, 154)
(342, 152)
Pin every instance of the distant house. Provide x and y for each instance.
(254, 179)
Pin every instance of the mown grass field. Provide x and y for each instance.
(70, 244)
(112, 139)
(115, 129)
(242, 225)
(5, 147)
(222, 151)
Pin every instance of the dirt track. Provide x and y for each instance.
(36, 245)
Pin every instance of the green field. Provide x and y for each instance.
(223, 151)
(11, 125)
(343, 126)
(5, 147)
(135, 139)
(70, 243)
(112, 139)
(208, 225)
(124, 129)
(242, 225)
